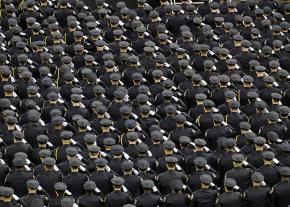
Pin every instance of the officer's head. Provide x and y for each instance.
(200, 98)
(223, 81)
(66, 137)
(32, 186)
(60, 188)
(100, 45)
(217, 119)
(19, 163)
(131, 125)
(18, 136)
(230, 96)
(230, 144)
(276, 98)
(168, 147)
(200, 163)
(273, 117)
(257, 179)
(124, 13)
(145, 110)
(248, 80)
(117, 183)
(229, 184)
(42, 140)
(7, 194)
(109, 143)
(170, 110)
(259, 143)
(156, 136)
(244, 127)
(208, 105)
(90, 186)
(268, 157)
(284, 112)
(76, 99)
(74, 164)
(118, 34)
(127, 167)
(260, 106)
(205, 180)
(180, 120)
(284, 173)
(184, 142)
(90, 139)
(141, 3)
(171, 162)
(269, 81)
(94, 151)
(106, 125)
(199, 145)
(83, 124)
(238, 160)
(49, 163)
(132, 138)
(142, 149)
(114, 21)
(57, 121)
(62, 4)
(234, 106)
(101, 164)
(117, 151)
(43, 153)
(8, 90)
(214, 7)
(147, 185)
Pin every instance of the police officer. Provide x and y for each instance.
(241, 174)
(90, 199)
(148, 198)
(49, 176)
(75, 179)
(205, 195)
(177, 197)
(17, 179)
(118, 197)
(163, 180)
(32, 186)
(102, 177)
(258, 193)
(229, 197)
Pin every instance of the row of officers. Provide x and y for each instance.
(242, 186)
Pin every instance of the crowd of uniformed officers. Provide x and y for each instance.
(175, 106)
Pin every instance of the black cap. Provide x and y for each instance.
(102, 162)
(268, 155)
(143, 164)
(169, 145)
(238, 157)
(148, 184)
(257, 177)
(171, 159)
(206, 179)
(49, 161)
(284, 171)
(60, 186)
(230, 182)
(32, 183)
(127, 165)
(117, 181)
(200, 161)
(117, 149)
